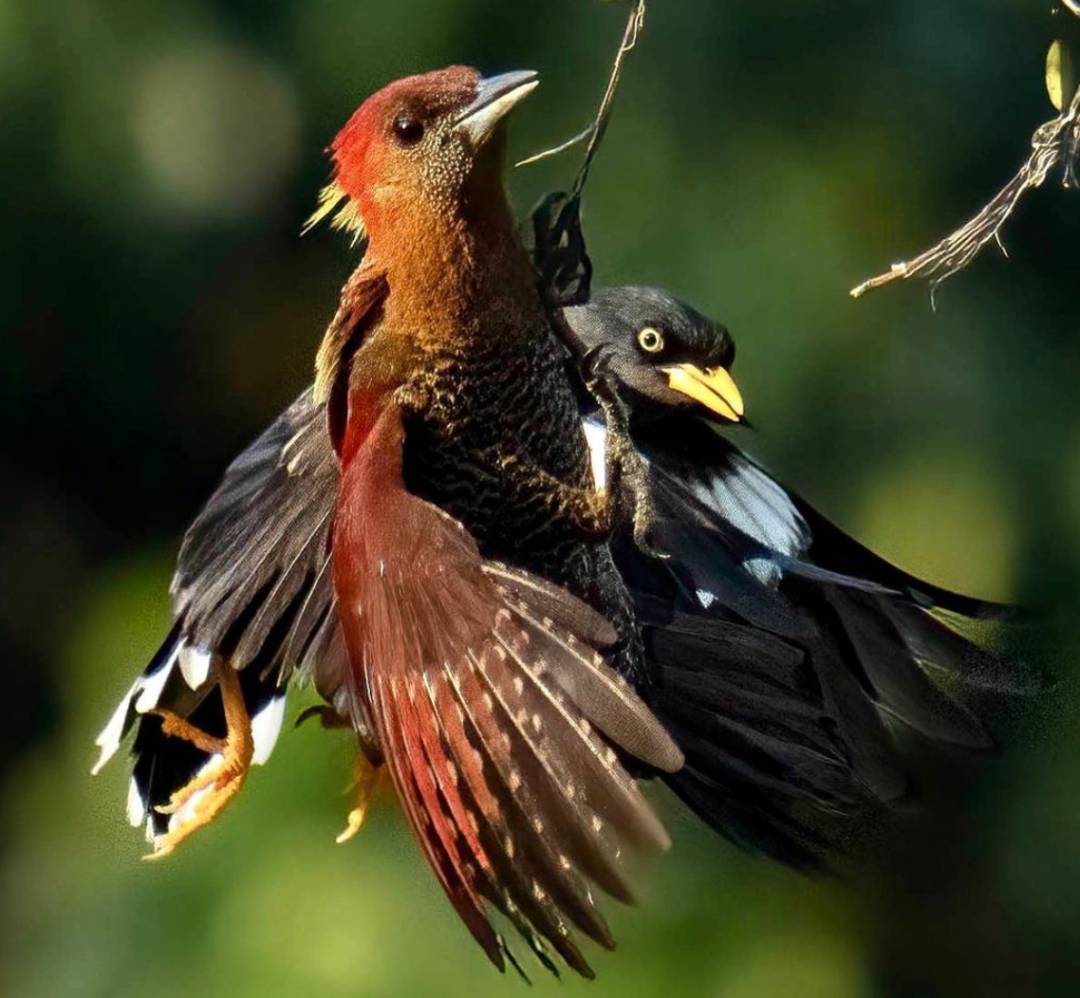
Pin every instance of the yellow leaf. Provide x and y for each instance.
(1060, 75)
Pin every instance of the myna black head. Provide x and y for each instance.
(665, 352)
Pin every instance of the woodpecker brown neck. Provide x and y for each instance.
(452, 283)
(449, 269)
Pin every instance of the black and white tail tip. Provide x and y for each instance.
(178, 679)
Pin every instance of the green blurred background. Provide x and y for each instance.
(157, 308)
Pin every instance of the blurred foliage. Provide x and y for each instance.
(157, 308)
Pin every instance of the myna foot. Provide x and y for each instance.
(209, 792)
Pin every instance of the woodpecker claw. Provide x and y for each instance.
(643, 524)
(209, 792)
(365, 781)
(329, 719)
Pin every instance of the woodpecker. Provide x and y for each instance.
(486, 638)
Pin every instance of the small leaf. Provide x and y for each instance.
(1060, 75)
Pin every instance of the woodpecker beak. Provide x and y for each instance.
(712, 387)
(495, 97)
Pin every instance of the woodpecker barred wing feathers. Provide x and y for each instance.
(503, 727)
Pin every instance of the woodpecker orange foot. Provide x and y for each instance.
(209, 792)
(366, 778)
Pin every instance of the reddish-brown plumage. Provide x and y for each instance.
(495, 713)
(499, 772)
(390, 547)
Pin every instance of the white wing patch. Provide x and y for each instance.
(596, 438)
(151, 686)
(136, 807)
(194, 665)
(113, 732)
(705, 598)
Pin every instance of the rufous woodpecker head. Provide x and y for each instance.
(425, 150)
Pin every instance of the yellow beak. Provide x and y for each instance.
(712, 387)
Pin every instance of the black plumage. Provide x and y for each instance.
(785, 652)
(780, 652)
(252, 585)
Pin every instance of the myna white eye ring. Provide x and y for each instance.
(650, 339)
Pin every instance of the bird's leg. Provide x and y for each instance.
(367, 766)
(367, 776)
(329, 719)
(626, 475)
(209, 792)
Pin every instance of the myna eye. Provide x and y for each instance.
(650, 340)
(408, 129)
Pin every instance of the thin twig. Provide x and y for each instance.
(595, 132)
(562, 261)
(634, 26)
(556, 150)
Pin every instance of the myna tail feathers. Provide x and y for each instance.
(764, 764)
(837, 551)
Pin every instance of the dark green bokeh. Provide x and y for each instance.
(158, 307)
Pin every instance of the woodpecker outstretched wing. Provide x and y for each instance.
(258, 553)
(502, 725)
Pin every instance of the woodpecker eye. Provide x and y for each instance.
(650, 340)
(408, 130)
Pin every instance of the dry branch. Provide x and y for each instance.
(1055, 142)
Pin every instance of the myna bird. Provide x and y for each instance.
(420, 535)
(785, 652)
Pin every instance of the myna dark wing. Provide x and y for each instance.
(784, 542)
(252, 585)
(746, 496)
(254, 560)
(825, 657)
